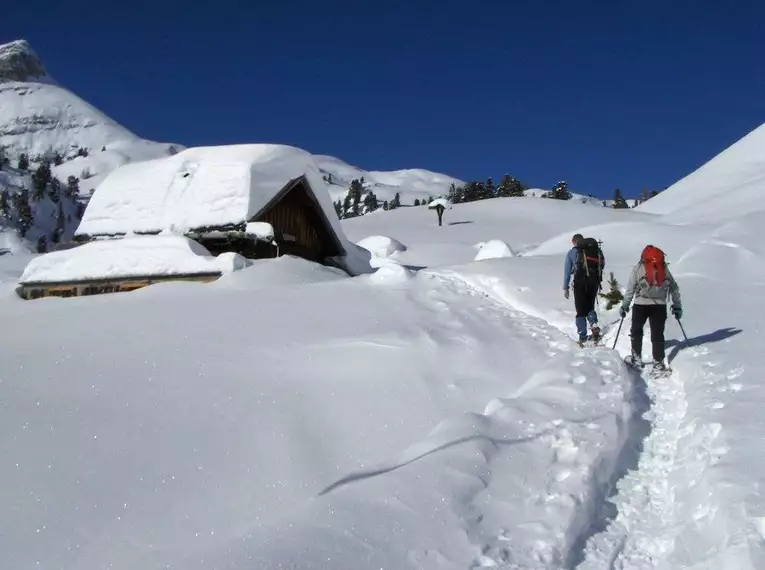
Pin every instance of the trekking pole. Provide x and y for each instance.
(685, 336)
(617, 333)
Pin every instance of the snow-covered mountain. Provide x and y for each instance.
(39, 116)
(410, 183)
(729, 185)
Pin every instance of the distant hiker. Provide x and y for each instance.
(585, 262)
(650, 284)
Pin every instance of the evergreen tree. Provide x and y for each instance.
(396, 202)
(82, 151)
(614, 295)
(354, 194)
(60, 224)
(5, 203)
(370, 203)
(329, 178)
(23, 162)
(3, 158)
(490, 190)
(58, 160)
(619, 201)
(510, 187)
(42, 244)
(72, 187)
(430, 198)
(338, 209)
(55, 190)
(40, 179)
(23, 211)
(347, 206)
(560, 191)
(456, 194)
(386, 206)
(416, 201)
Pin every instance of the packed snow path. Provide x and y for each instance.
(643, 524)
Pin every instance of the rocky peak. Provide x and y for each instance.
(19, 62)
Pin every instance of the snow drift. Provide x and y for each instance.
(137, 256)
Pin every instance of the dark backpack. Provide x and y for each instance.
(589, 260)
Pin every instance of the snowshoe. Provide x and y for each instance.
(634, 361)
(596, 336)
(660, 370)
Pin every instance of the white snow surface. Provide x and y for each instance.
(492, 249)
(435, 414)
(724, 188)
(134, 256)
(381, 246)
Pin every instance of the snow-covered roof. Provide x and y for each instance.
(207, 187)
(163, 255)
(197, 188)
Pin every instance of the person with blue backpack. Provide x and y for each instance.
(585, 263)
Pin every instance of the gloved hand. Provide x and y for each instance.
(623, 311)
(677, 312)
(566, 293)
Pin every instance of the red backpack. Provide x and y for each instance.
(652, 259)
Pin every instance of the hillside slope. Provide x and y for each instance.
(726, 187)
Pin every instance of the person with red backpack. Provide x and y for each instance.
(585, 262)
(650, 284)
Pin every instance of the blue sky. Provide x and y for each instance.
(603, 94)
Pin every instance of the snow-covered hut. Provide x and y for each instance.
(258, 200)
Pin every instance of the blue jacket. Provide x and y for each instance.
(569, 266)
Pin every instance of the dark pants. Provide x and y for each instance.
(656, 315)
(585, 295)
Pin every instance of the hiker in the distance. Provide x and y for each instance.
(585, 262)
(650, 284)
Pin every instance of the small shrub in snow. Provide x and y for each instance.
(614, 295)
(72, 186)
(23, 163)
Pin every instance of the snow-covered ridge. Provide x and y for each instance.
(19, 62)
(726, 187)
(411, 183)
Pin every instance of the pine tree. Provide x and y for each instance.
(386, 205)
(329, 178)
(338, 209)
(560, 191)
(5, 203)
(23, 162)
(58, 160)
(40, 179)
(619, 201)
(370, 203)
(42, 244)
(490, 191)
(416, 201)
(347, 206)
(60, 224)
(3, 158)
(55, 190)
(23, 211)
(510, 187)
(614, 295)
(72, 187)
(430, 198)
(456, 194)
(82, 151)
(396, 202)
